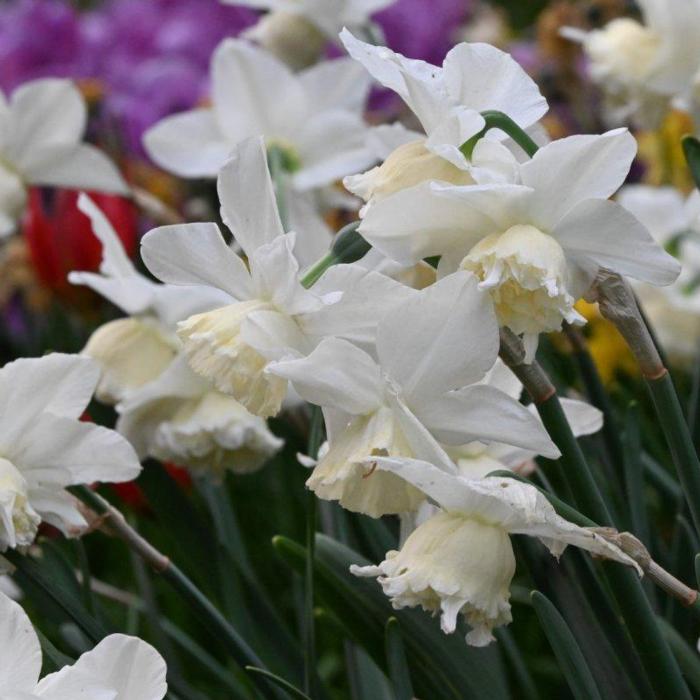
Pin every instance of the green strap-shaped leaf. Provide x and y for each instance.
(571, 660)
(399, 673)
(691, 148)
(285, 685)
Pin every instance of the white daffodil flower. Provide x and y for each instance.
(476, 460)
(447, 102)
(135, 350)
(268, 314)
(673, 220)
(297, 30)
(642, 66)
(180, 418)
(536, 245)
(118, 668)
(431, 350)
(41, 132)
(314, 118)
(164, 411)
(461, 559)
(44, 447)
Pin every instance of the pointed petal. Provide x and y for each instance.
(20, 661)
(336, 375)
(601, 233)
(195, 254)
(444, 338)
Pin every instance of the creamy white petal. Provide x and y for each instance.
(248, 205)
(20, 661)
(253, 92)
(341, 83)
(32, 132)
(583, 418)
(484, 413)
(660, 209)
(483, 77)
(81, 166)
(570, 170)
(188, 144)
(443, 338)
(129, 666)
(602, 233)
(336, 374)
(195, 254)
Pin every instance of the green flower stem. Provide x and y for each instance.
(625, 585)
(499, 120)
(214, 621)
(617, 303)
(315, 441)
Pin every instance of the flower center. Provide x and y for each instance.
(215, 350)
(18, 520)
(408, 165)
(624, 50)
(525, 270)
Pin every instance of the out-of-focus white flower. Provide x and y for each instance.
(134, 351)
(44, 447)
(476, 460)
(447, 101)
(536, 245)
(181, 418)
(314, 118)
(118, 668)
(431, 350)
(267, 313)
(41, 132)
(641, 67)
(327, 16)
(461, 559)
(9, 588)
(673, 220)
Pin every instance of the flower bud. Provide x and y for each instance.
(19, 522)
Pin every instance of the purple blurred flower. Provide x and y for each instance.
(151, 56)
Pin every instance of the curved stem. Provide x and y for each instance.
(499, 120)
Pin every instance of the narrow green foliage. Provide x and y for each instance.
(691, 149)
(571, 660)
(399, 672)
(498, 120)
(288, 688)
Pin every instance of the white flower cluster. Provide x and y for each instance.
(417, 409)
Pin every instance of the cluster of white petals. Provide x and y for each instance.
(118, 668)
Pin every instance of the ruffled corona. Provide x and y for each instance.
(452, 564)
(408, 165)
(214, 433)
(131, 352)
(18, 520)
(525, 270)
(341, 475)
(216, 351)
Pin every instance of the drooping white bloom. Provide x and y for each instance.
(536, 245)
(673, 220)
(180, 418)
(447, 101)
(461, 559)
(421, 388)
(118, 668)
(44, 447)
(268, 314)
(641, 67)
(314, 117)
(165, 411)
(41, 132)
(476, 460)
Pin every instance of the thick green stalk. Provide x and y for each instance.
(626, 587)
(675, 428)
(499, 120)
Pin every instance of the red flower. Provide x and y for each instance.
(60, 237)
